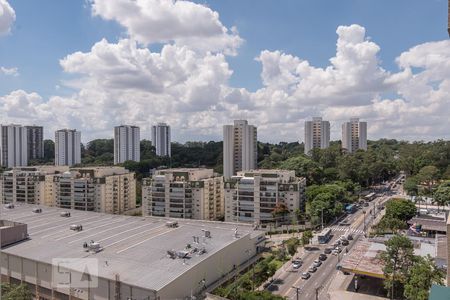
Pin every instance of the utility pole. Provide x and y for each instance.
(364, 216)
(297, 291)
(322, 218)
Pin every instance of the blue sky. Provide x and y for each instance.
(44, 32)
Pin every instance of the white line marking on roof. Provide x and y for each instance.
(141, 242)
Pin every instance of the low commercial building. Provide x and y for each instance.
(188, 193)
(263, 196)
(26, 184)
(122, 257)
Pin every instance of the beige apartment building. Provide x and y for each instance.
(255, 196)
(354, 135)
(27, 184)
(187, 193)
(240, 148)
(100, 189)
(317, 134)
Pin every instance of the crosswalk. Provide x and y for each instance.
(345, 229)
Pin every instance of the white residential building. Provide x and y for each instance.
(67, 147)
(189, 193)
(13, 146)
(161, 139)
(354, 135)
(240, 148)
(264, 196)
(126, 144)
(317, 134)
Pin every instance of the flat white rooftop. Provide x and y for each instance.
(134, 247)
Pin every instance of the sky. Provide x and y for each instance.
(96, 64)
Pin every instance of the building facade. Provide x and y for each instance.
(13, 146)
(161, 139)
(101, 189)
(354, 135)
(27, 184)
(183, 193)
(317, 134)
(126, 144)
(67, 147)
(35, 142)
(240, 148)
(264, 196)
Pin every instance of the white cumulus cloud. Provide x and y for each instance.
(7, 17)
(163, 21)
(9, 71)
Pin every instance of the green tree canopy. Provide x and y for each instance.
(442, 194)
(421, 276)
(401, 209)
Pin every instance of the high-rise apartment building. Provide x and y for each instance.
(264, 196)
(126, 144)
(354, 135)
(13, 146)
(183, 193)
(35, 140)
(240, 148)
(67, 147)
(27, 184)
(317, 134)
(161, 139)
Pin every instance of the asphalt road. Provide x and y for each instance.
(320, 280)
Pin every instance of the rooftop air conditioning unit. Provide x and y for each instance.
(76, 227)
(9, 206)
(92, 247)
(172, 224)
(37, 210)
(65, 214)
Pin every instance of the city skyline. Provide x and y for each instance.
(370, 73)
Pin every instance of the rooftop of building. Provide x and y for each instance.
(364, 259)
(430, 222)
(131, 245)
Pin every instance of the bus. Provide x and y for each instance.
(324, 236)
(370, 197)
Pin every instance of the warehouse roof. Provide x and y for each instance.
(131, 245)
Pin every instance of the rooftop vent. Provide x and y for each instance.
(65, 214)
(76, 227)
(37, 210)
(92, 247)
(172, 224)
(207, 233)
(9, 206)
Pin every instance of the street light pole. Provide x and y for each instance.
(322, 219)
(297, 291)
(364, 216)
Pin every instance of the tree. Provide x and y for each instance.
(410, 186)
(428, 175)
(291, 245)
(442, 194)
(422, 275)
(401, 209)
(14, 292)
(306, 237)
(398, 260)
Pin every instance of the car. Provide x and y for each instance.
(334, 252)
(296, 264)
(317, 263)
(305, 275)
(366, 204)
(350, 237)
(312, 269)
(345, 243)
(336, 244)
(338, 249)
(323, 256)
(327, 250)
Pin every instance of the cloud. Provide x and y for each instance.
(7, 17)
(9, 71)
(125, 82)
(165, 21)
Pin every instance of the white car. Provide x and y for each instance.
(296, 265)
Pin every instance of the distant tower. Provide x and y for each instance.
(35, 140)
(67, 147)
(317, 134)
(126, 143)
(354, 135)
(13, 146)
(161, 139)
(240, 148)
